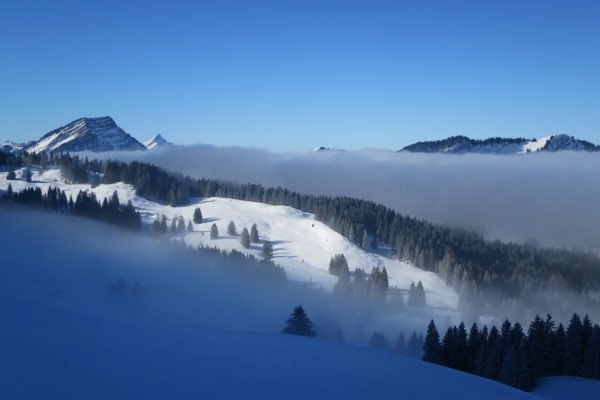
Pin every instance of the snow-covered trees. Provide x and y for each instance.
(231, 229)
(11, 175)
(197, 216)
(245, 240)
(267, 250)
(337, 264)
(214, 232)
(299, 324)
(416, 295)
(254, 234)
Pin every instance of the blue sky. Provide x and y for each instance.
(292, 75)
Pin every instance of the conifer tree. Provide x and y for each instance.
(401, 344)
(573, 347)
(361, 285)
(396, 301)
(414, 348)
(337, 264)
(181, 224)
(245, 239)
(267, 250)
(299, 324)
(343, 287)
(11, 176)
(28, 176)
(190, 227)
(365, 241)
(214, 232)
(174, 225)
(591, 366)
(231, 230)
(432, 350)
(197, 216)
(95, 181)
(254, 234)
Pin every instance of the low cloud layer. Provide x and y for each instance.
(551, 197)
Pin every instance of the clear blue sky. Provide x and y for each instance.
(291, 75)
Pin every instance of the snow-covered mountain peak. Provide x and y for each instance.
(93, 134)
(156, 141)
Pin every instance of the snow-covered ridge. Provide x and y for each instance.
(463, 144)
(156, 142)
(92, 134)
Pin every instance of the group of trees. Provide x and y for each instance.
(86, 205)
(513, 357)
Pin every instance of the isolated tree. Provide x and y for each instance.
(245, 239)
(95, 181)
(197, 216)
(190, 227)
(11, 176)
(181, 224)
(28, 176)
(214, 232)
(267, 251)
(254, 234)
(231, 231)
(299, 324)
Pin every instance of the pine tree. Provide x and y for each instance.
(245, 239)
(197, 216)
(361, 284)
(591, 366)
(267, 251)
(254, 234)
(401, 344)
(95, 181)
(190, 227)
(573, 349)
(28, 176)
(299, 324)
(181, 224)
(414, 348)
(174, 225)
(343, 287)
(11, 176)
(231, 230)
(396, 301)
(365, 240)
(214, 232)
(432, 349)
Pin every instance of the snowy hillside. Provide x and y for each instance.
(92, 134)
(64, 337)
(156, 142)
(302, 246)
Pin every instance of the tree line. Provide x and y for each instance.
(517, 358)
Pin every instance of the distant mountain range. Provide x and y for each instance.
(86, 134)
(463, 144)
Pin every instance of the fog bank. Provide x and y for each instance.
(549, 196)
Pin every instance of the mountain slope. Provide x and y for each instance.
(463, 144)
(92, 134)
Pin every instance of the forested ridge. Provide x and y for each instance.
(493, 277)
